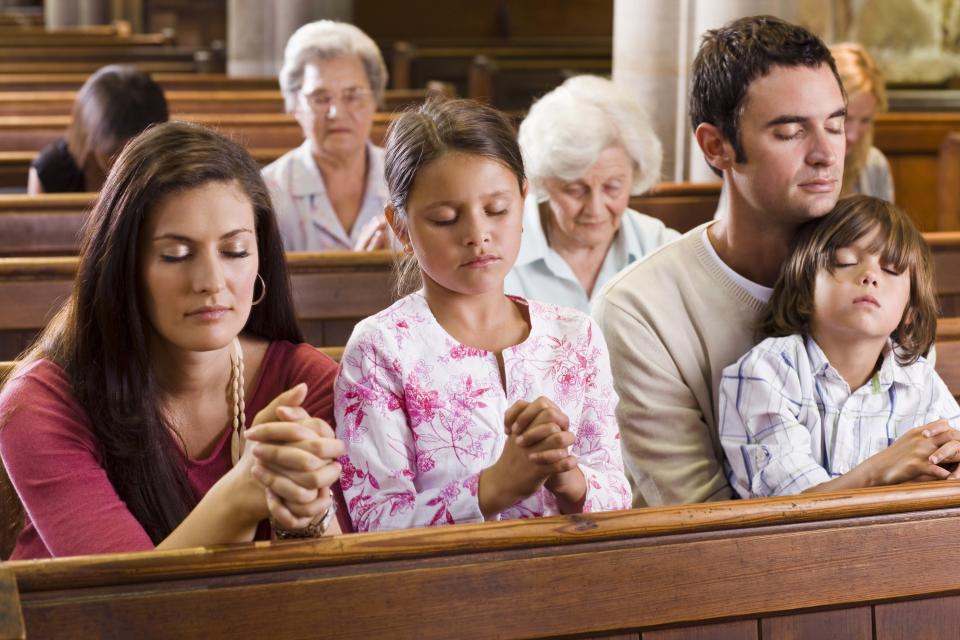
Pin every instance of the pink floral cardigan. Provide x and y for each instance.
(422, 414)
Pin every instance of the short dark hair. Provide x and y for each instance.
(101, 335)
(733, 56)
(115, 103)
(792, 304)
(440, 126)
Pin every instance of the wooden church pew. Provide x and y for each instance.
(15, 165)
(871, 563)
(33, 103)
(274, 130)
(133, 53)
(65, 81)
(413, 65)
(680, 205)
(911, 142)
(945, 246)
(514, 83)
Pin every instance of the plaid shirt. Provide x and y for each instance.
(788, 420)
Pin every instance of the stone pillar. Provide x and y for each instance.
(249, 38)
(93, 12)
(60, 13)
(650, 64)
(257, 31)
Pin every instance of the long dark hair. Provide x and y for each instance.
(101, 336)
(113, 105)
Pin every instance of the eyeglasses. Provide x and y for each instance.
(351, 98)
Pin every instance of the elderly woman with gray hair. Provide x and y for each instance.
(587, 148)
(327, 190)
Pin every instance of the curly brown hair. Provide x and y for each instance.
(791, 306)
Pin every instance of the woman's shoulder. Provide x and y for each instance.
(42, 376)
(875, 158)
(284, 366)
(57, 169)
(39, 398)
(295, 358)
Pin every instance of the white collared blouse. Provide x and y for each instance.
(305, 215)
(422, 415)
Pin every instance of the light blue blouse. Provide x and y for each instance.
(540, 273)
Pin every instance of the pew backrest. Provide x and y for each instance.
(253, 130)
(736, 569)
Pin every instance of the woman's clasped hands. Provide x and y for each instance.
(536, 454)
(294, 457)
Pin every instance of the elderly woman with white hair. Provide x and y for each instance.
(587, 148)
(327, 190)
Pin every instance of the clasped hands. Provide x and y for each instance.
(920, 454)
(294, 459)
(536, 454)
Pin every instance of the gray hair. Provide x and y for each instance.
(325, 39)
(569, 127)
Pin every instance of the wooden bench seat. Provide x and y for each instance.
(513, 84)
(680, 205)
(86, 67)
(34, 103)
(253, 130)
(100, 54)
(832, 565)
(43, 38)
(415, 65)
(64, 81)
(911, 142)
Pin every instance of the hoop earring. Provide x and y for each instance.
(263, 290)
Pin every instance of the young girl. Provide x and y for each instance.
(840, 394)
(123, 428)
(460, 404)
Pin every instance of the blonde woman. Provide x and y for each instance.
(866, 170)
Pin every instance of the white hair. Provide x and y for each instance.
(326, 39)
(567, 129)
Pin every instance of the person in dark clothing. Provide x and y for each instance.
(113, 105)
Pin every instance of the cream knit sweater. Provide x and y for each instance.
(672, 322)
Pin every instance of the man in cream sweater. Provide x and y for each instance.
(767, 108)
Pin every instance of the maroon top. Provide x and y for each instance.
(54, 462)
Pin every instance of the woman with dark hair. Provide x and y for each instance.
(124, 426)
(113, 105)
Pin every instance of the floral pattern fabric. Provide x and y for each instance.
(422, 415)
